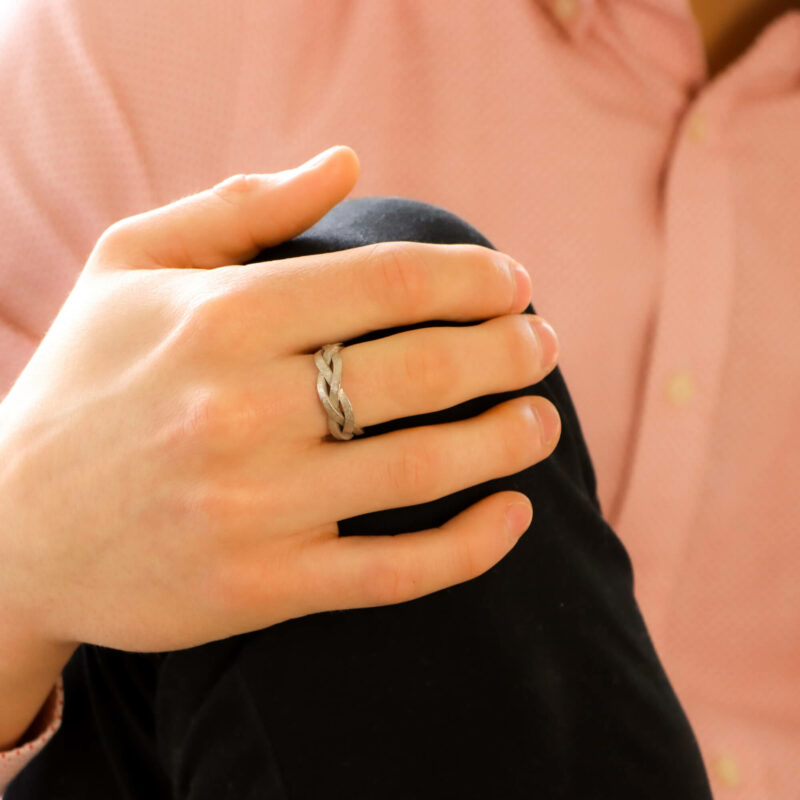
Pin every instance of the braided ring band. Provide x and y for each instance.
(329, 363)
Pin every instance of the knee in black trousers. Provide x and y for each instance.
(535, 679)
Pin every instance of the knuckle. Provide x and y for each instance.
(212, 324)
(400, 274)
(209, 509)
(468, 562)
(238, 415)
(201, 415)
(430, 371)
(486, 260)
(229, 584)
(522, 348)
(382, 582)
(115, 231)
(521, 439)
(231, 189)
(257, 588)
(413, 471)
(234, 191)
(117, 235)
(494, 276)
(213, 309)
(215, 416)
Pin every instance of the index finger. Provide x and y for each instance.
(332, 297)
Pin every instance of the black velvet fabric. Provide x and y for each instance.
(536, 679)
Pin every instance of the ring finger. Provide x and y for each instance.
(426, 370)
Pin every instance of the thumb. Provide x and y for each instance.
(234, 220)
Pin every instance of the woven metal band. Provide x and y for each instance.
(341, 423)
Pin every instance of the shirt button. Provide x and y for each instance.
(727, 771)
(697, 127)
(565, 10)
(680, 388)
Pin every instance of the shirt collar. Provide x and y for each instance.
(576, 17)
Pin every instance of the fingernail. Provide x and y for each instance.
(518, 518)
(522, 279)
(548, 341)
(549, 421)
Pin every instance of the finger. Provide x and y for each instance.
(419, 371)
(361, 571)
(416, 465)
(234, 220)
(351, 292)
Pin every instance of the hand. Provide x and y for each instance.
(167, 475)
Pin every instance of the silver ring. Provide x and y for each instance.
(342, 423)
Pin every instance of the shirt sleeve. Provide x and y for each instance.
(47, 723)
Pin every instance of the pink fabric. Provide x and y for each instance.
(12, 761)
(663, 246)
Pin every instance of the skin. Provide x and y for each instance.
(37, 437)
(157, 450)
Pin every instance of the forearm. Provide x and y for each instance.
(28, 673)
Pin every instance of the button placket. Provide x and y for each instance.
(573, 17)
(680, 388)
(685, 365)
(697, 127)
(565, 11)
(725, 770)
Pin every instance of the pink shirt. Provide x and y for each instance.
(655, 209)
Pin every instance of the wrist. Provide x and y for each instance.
(30, 662)
(29, 669)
